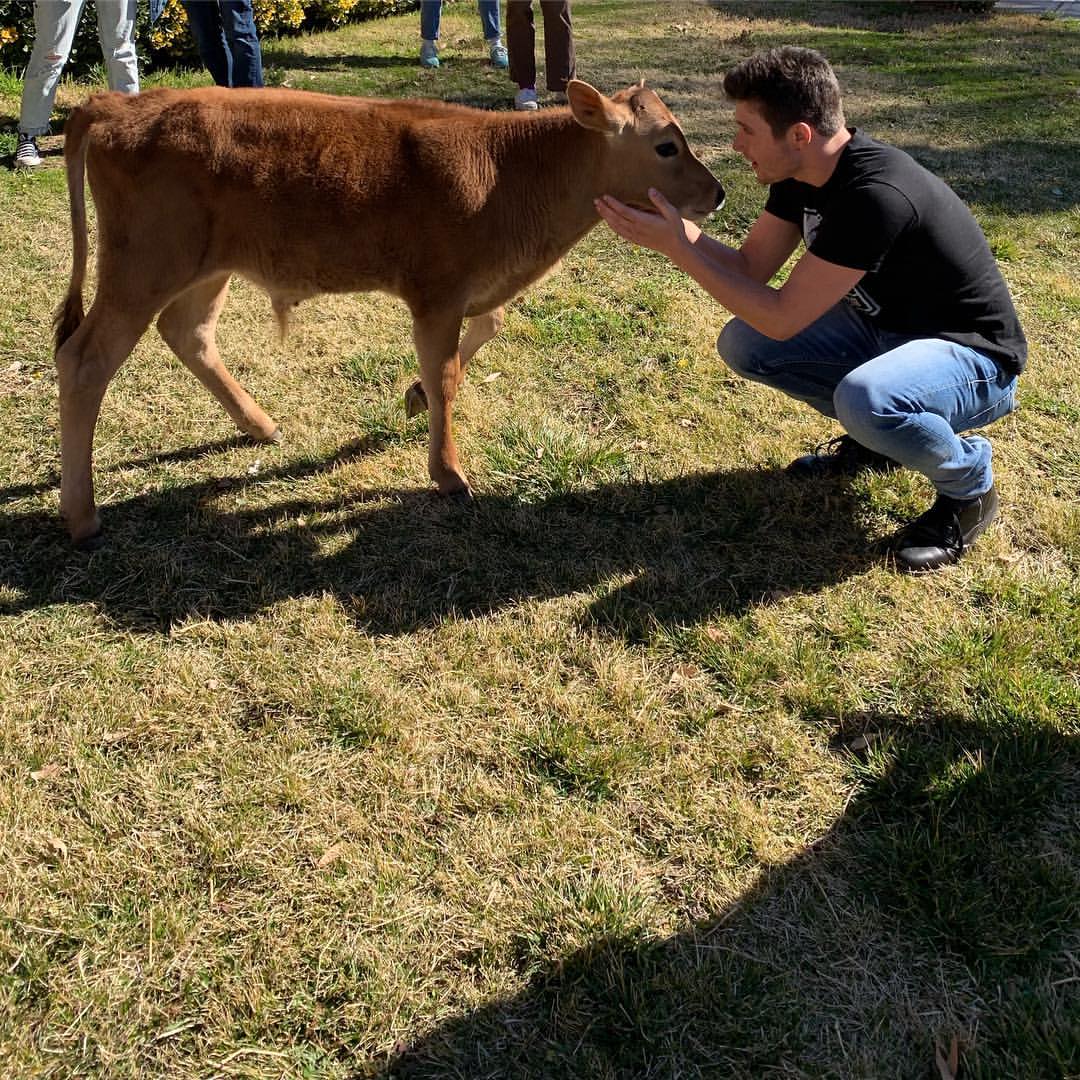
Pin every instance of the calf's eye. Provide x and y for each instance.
(667, 149)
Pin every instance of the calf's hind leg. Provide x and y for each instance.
(84, 365)
(482, 328)
(188, 325)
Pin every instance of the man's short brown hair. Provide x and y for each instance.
(791, 85)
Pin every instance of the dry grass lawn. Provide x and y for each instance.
(648, 765)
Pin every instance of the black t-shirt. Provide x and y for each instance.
(929, 269)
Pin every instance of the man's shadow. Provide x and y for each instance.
(682, 548)
(944, 903)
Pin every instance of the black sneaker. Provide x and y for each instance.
(842, 456)
(27, 155)
(941, 535)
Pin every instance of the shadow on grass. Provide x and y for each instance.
(943, 903)
(301, 61)
(1018, 176)
(399, 560)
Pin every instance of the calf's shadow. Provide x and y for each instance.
(680, 549)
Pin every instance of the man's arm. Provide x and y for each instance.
(766, 248)
(812, 288)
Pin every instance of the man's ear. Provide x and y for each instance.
(801, 135)
(592, 110)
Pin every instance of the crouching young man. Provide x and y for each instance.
(895, 321)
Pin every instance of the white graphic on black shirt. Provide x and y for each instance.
(862, 301)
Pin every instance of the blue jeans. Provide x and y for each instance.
(906, 398)
(431, 13)
(228, 41)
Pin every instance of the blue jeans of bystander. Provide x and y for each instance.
(228, 41)
(431, 14)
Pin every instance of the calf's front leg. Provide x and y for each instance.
(436, 335)
(482, 328)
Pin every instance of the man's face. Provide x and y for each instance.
(773, 159)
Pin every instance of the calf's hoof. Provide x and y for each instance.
(415, 400)
(90, 544)
(276, 437)
(86, 535)
(456, 491)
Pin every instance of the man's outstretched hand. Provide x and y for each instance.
(663, 230)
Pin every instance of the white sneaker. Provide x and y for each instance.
(525, 99)
(26, 153)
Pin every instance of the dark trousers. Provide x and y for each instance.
(228, 41)
(558, 42)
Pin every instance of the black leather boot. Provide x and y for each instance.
(842, 456)
(942, 535)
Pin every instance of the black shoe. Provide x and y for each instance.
(842, 456)
(941, 535)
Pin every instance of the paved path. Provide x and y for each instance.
(1070, 8)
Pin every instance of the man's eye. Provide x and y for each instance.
(667, 149)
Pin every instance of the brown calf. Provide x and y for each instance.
(454, 210)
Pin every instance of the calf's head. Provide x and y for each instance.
(646, 148)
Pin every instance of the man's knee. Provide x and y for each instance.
(740, 347)
(860, 402)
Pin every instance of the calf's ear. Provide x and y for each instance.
(592, 110)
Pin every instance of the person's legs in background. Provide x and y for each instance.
(55, 23)
(116, 32)
(489, 21)
(242, 39)
(430, 17)
(204, 18)
(521, 42)
(559, 64)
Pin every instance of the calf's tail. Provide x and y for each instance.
(70, 313)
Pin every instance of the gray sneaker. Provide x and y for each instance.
(26, 153)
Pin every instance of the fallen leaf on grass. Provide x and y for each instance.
(492, 377)
(684, 673)
(47, 772)
(57, 845)
(330, 855)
